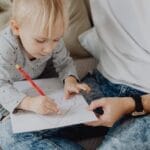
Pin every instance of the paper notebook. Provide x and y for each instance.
(73, 111)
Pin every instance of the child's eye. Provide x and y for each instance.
(40, 41)
(56, 40)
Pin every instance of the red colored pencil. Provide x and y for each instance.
(28, 78)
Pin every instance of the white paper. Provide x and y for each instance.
(73, 111)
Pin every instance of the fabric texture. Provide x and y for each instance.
(90, 41)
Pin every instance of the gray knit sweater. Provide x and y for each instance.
(12, 53)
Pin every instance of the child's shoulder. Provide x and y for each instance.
(6, 35)
(7, 43)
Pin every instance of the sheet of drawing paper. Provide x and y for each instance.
(72, 111)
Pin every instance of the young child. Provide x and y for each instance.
(33, 37)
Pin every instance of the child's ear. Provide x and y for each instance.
(15, 27)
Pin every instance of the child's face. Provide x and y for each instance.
(38, 45)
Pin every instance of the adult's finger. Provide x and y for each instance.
(96, 104)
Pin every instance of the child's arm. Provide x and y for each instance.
(10, 97)
(63, 63)
(67, 72)
(73, 87)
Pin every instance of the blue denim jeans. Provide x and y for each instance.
(128, 133)
(42, 140)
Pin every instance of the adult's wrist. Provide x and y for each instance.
(129, 105)
(145, 102)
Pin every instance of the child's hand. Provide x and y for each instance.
(72, 87)
(41, 104)
(114, 108)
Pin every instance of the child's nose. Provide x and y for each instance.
(48, 47)
(47, 50)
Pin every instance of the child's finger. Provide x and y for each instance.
(66, 94)
(71, 95)
(88, 89)
(84, 87)
(75, 90)
(52, 106)
(48, 111)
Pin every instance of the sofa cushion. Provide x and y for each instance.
(4, 18)
(87, 4)
(85, 65)
(5, 12)
(78, 23)
(90, 41)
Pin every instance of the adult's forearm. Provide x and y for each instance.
(130, 104)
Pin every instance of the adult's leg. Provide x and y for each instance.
(95, 93)
(127, 133)
(33, 140)
(131, 133)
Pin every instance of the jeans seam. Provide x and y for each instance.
(123, 90)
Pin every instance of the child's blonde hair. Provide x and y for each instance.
(45, 12)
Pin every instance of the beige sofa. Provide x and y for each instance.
(79, 21)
